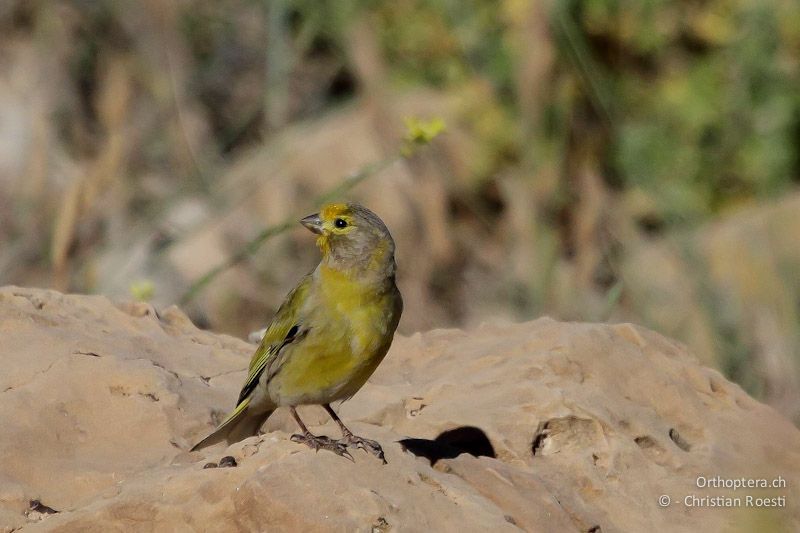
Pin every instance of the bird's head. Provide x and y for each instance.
(352, 237)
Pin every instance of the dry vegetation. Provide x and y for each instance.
(603, 159)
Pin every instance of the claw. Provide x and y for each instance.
(322, 443)
(368, 445)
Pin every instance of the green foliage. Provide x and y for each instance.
(698, 101)
(705, 99)
(444, 42)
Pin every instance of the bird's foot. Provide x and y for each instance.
(322, 443)
(368, 445)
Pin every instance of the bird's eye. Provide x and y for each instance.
(340, 223)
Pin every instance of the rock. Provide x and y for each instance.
(227, 462)
(729, 290)
(543, 426)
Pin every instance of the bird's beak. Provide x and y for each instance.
(313, 222)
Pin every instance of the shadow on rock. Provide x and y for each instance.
(451, 444)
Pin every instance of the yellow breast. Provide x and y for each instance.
(361, 307)
(352, 328)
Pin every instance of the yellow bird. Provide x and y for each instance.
(329, 335)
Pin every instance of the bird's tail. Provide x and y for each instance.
(240, 424)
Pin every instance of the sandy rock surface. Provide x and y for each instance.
(572, 427)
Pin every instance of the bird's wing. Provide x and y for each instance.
(286, 328)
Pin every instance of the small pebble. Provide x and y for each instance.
(227, 461)
(209, 465)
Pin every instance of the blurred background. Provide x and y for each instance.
(602, 160)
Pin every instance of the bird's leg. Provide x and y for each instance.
(317, 442)
(350, 439)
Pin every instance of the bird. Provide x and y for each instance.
(329, 335)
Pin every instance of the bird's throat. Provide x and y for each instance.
(324, 245)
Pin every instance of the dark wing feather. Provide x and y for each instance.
(284, 329)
